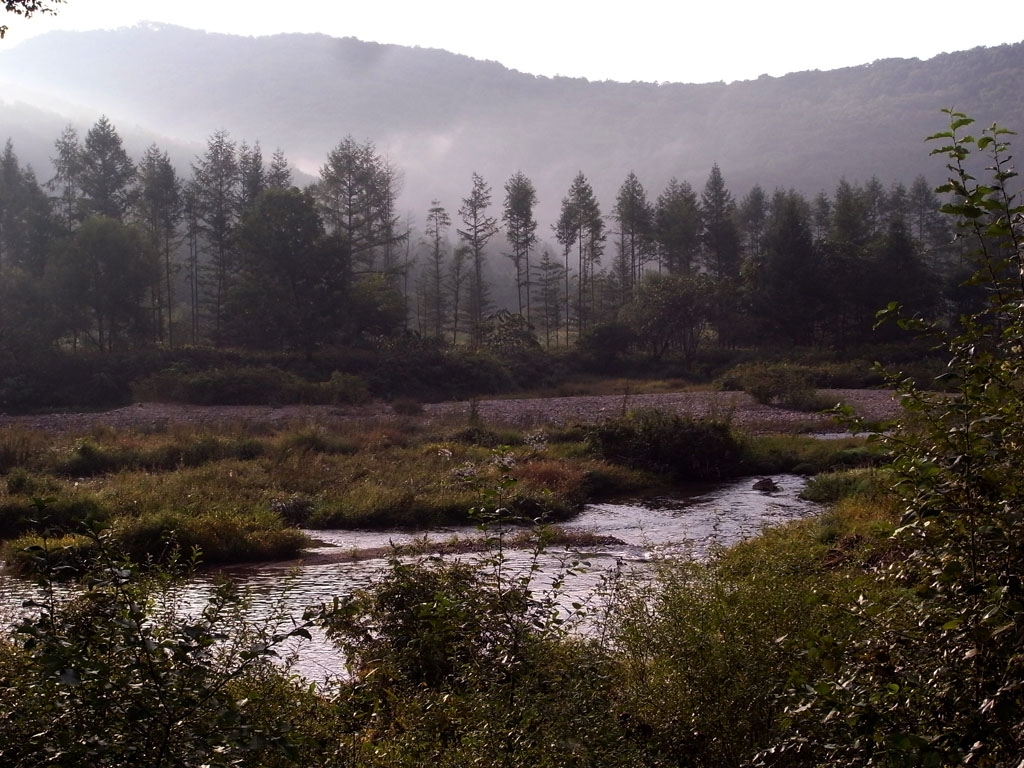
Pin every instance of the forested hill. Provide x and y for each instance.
(440, 116)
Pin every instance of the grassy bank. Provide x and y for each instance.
(241, 492)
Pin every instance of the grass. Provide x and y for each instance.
(238, 493)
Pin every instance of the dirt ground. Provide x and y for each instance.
(739, 407)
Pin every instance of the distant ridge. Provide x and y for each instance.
(440, 116)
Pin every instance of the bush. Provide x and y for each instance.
(230, 385)
(782, 385)
(669, 444)
(122, 676)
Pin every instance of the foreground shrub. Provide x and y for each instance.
(478, 669)
(781, 384)
(120, 676)
(707, 652)
(670, 444)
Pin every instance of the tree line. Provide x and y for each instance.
(113, 253)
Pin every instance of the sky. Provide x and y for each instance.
(691, 41)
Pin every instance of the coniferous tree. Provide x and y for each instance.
(25, 225)
(580, 225)
(67, 178)
(215, 193)
(390, 235)
(479, 228)
(753, 216)
(434, 298)
(722, 253)
(252, 177)
(550, 296)
(521, 231)
(293, 280)
(107, 173)
(635, 218)
(458, 277)
(677, 226)
(357, 193)
(160, 209)
(279, 175)
(848, 280)
(787, 294)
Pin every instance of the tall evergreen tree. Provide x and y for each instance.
(215, 191)
(580, 225)
(753, 216)
(635, 218)
(160, 209)
(788, 289)
(107, 173)
(719, 234)
(722, 253)
(478, 228)
(521, 230)
(434, 299)
(549, 288)
(67, 178)
(677, 226)
(293, 282)
(252, 177)
(279, 175)
(25, 225)
(357, 194)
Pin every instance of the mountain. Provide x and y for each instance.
(441, 116)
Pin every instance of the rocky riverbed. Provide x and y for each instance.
(738, 407)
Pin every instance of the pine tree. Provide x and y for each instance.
(215, 190)
(580, 225)
(160, 209)
(67, 178)
(279, 175)
(635, 218)
(550, 295)
(521, 230)
(434, 299)
(252, 177)
(479, 228)
(107, 173)
(677, 226)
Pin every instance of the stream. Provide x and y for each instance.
(690, 523)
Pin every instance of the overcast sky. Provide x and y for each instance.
(689, 41)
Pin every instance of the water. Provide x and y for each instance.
(688, 524)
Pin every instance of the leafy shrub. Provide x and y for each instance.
(668, 443)
(706, 653)
(121, 676)
(479, 670)
(784, 385)
(342, 389)
(229, 385)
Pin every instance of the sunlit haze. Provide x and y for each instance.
(650, 40)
